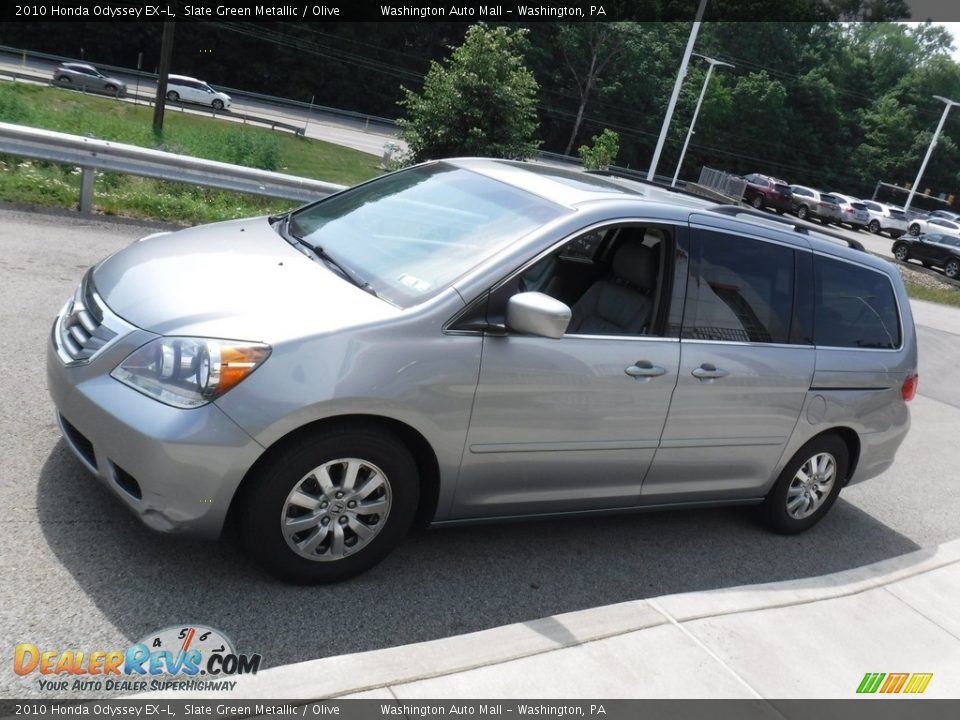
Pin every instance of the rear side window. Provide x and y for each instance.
(741, 290)
(855, 307)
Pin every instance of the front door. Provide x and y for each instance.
(572, 424)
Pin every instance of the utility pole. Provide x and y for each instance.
(676, 89)
(933, 143)
(706, 81)
(166, 53)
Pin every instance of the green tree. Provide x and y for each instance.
(602, 153)
(480, 102)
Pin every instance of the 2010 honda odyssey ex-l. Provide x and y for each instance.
(479, 339)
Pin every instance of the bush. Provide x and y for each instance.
(602, 153)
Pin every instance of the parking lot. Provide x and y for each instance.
(82, 573)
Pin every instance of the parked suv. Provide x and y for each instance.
(885, 218)
(763, 191)
(933, 249)
(808, 203)
(188, 89)
(331, 375)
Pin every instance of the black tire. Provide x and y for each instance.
(757, 202)
(774, 511)
(110, 88)
(64, 79)
(803, 212)
(874, 227)
(265, 504)
(952, 269)
(173, 96)
(895, 234)
(901, 252)
(780, 212)
(824, 221)
(217, 105)
(914, 229)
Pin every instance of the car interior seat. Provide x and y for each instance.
(621, 303)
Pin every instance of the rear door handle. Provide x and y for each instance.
(644, 370)
(708, 372)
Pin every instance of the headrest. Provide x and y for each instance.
(637, 264)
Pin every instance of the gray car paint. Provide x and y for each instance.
(539, 426)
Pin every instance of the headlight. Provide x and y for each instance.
(189, 372)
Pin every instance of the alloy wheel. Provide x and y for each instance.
(811, 485)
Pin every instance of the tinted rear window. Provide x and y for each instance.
(858, 206)
(855, 307)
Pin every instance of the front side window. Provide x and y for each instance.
(855, 307)
(412, 233)
(741, 290)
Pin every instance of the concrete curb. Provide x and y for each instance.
(361, 672)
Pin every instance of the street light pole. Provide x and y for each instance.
(706, 81)
(676, 89)
(933, 142)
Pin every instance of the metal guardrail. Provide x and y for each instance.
(233, 92)
(149, 101)
(730, 185)
(91, 154)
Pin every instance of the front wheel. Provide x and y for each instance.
(331, 506)
(65, 80)
(952, 269)
(217, 104)
(914, 229)
(808, 486)
(874, 227)
(901, 253)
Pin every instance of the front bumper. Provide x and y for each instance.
(177, 470)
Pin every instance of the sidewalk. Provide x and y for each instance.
(808, 638)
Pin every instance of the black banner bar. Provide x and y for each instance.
(853, 709)
(473, 11)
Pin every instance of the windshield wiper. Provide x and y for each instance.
(345, 271)
(318, 253)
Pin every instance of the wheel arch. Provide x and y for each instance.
(428, 467)
(852, 440)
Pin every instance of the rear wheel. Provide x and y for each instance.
(901, 253)
(330, 506)
(952, 269)
(757, 202)
(803, 212)
(874, 227)
(808, 486)
(173, 96)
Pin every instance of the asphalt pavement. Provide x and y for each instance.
(81, 572)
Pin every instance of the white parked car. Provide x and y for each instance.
(181, 88)
(853, 210)
(934, 225)
(885, 218)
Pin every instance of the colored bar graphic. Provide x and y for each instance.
(895, 682)
(870, 682)
(918, 682)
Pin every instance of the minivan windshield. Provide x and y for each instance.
(413, 232)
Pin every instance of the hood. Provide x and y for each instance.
(236, 280)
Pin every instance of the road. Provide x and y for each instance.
(361, 134)
(81, 573)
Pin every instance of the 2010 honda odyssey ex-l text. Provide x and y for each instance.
(479, 339)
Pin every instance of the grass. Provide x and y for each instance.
(944, 295)
(43, 183)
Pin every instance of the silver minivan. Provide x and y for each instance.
(479, 339)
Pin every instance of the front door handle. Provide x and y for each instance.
(708, 372)
(644, 370)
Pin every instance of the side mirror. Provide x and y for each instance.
(538, 314)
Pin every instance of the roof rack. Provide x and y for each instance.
(735, 210)
(642, 178)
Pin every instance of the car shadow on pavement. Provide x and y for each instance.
(438, 583)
